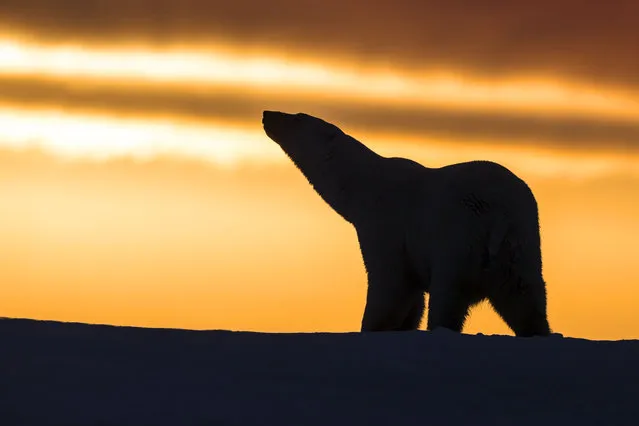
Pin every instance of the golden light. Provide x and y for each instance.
(101, 137)
(153, 244)
(72, 135)
(526, 159)
(218, 66)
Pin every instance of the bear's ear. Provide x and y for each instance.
(317, 126)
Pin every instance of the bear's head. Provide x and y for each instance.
(297, 132)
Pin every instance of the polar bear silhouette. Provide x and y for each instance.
(463, 233)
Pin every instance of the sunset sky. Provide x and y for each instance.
(138, 188)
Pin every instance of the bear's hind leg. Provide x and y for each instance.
(522, 307)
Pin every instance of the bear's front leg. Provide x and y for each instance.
(447, 310)
(415, 314)
(449, 301)
(391, 309)
(393, 301)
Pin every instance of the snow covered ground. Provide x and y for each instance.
(83, 375)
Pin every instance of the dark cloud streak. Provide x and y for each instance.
(229, 106)
(595, 41)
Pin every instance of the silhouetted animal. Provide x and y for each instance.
(463, 233)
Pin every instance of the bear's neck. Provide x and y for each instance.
(342, 170)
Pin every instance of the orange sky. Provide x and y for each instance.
(138, 188)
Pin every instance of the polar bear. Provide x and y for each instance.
(462, 233)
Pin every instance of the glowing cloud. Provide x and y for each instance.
(99, 137)
(222, 67)
(96, 137)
